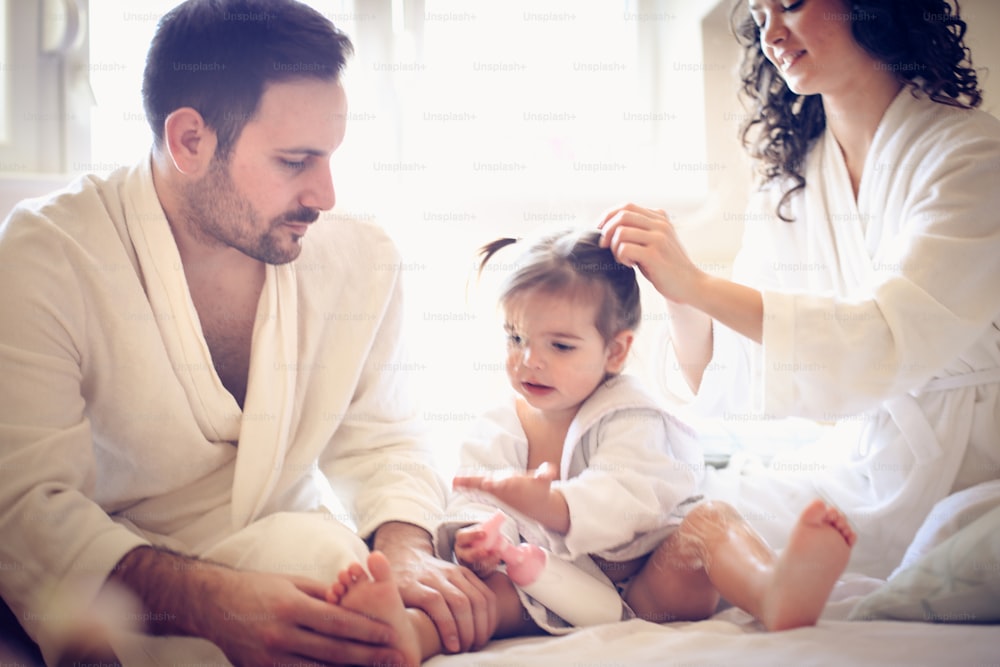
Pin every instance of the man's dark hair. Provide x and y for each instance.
(218, 56)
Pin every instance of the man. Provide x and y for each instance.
(198, 380)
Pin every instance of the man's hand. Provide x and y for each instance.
(461, 606)
(273, 619)
(255, 618)
(531, 495)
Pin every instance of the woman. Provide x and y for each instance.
(867, 290)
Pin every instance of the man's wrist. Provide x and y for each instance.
(175, 590)
(396, 535)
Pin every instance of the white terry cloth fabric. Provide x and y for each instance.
(627, 465)
(883, 315)
(116, 431)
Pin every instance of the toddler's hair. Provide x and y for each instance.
(573, 262)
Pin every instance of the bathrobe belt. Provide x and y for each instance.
(910, 418)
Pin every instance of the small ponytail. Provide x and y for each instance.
(573, 260)
(490, 249)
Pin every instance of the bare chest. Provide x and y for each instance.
(227, 324)
(545, 439)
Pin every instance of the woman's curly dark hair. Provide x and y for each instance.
(920, 41)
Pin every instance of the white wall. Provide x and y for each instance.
(983, 18)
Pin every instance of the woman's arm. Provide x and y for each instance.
(691, 337)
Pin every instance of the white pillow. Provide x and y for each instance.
(957, 581)
(949, 516)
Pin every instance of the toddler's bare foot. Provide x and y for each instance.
(808, 568)
(377, 596)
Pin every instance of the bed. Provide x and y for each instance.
(941, 607)
(730, 639)
(957, 579)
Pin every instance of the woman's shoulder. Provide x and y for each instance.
(926, 142)
(916, 118)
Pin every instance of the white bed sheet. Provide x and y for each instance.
(732, 637)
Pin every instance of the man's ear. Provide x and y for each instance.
(189, 142)
(618, 349)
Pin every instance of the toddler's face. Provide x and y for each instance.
(556, 357)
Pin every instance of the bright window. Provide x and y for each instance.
(471, 120)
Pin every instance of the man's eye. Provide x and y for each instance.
(292, 164)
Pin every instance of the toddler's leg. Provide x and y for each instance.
(715, 552)
(673, 584)
(512, 619)
(808, 568)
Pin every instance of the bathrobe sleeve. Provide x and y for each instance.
(57, 546)
(934, 291)
(377, 460)
(630, 487)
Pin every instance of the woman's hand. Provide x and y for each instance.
(646, 239)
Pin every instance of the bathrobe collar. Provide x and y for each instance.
(261, 430)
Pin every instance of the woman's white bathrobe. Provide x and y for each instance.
(881, 314)
(116, 431)
(626, 467)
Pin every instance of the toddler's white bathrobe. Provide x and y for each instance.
(627, 465)
(881, 314)
(116, 431)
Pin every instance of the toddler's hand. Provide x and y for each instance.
(529, 494)
(470, 550)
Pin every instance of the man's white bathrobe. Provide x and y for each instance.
(626, 470)
(881, 314)
(116, 431)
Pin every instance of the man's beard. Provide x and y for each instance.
(219, 215)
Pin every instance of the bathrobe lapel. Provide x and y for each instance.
(836, 225)
(212, 406)
(888, 167)
(262, 429)
(267, 415)
(848, 236)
